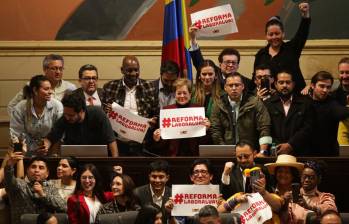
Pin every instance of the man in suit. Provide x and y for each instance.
(156, 192)
(291, 117)
(233, 180)
(89, 91)
(169, 72)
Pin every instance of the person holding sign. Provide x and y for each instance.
(258, 184)
(284, 56)
(184, 146)
(134, 94)
(229, 60)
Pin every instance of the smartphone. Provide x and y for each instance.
(265, 83)
(295, 191)
(18, 147)
(254, 175)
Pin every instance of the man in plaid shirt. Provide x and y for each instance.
(134, 94)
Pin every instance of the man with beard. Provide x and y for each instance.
(169, 72)
(88, 79)
(342, 92)
(134, 94)
(35, 195)
(328, 115)
(291, 117)
(233, 180)
(81, 125)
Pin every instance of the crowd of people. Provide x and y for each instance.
(272, 114)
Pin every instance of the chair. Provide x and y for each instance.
(31, 218)
(118, 218)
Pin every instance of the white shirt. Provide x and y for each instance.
(130, 99)
(95, 97)
(226, 179)
(157, 199)
(93, 207)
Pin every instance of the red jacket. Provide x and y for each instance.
(78, 212)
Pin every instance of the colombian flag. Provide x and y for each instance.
(175, 42)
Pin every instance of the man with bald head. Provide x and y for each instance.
(134, 94)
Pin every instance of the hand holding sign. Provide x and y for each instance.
(215, 21)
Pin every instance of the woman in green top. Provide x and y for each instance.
(207, 91)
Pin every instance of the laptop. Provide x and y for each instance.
(217, 150)
(344, 150)
(84, 150)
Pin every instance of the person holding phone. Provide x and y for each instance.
(33, 117)
(264, 81)
(258, 183)
(286, 171)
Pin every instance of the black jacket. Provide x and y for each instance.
(288, 57)
(328, 114)
(143, 195)
(296, 127)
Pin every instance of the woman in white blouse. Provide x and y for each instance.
(66, 170)
(33, 117)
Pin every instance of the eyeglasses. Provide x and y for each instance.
(87, 177)
(243, 156)
(55, 69)
(233, 63)
(95, 78)
(202, 172)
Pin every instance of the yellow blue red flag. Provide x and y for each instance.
(175, 43)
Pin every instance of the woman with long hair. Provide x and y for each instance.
(88, 196)
(66, 173)
(122, 187)
(207, 88)
(33, 117)
(281, 55)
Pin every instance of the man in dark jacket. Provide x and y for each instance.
(328, 115)
(240, 117)
(291, 117)
(156, 192)
(233, 180)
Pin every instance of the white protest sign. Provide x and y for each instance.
(188, 199)
(182, 123)
(215, 21)
(255, 211)
(127, 124)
